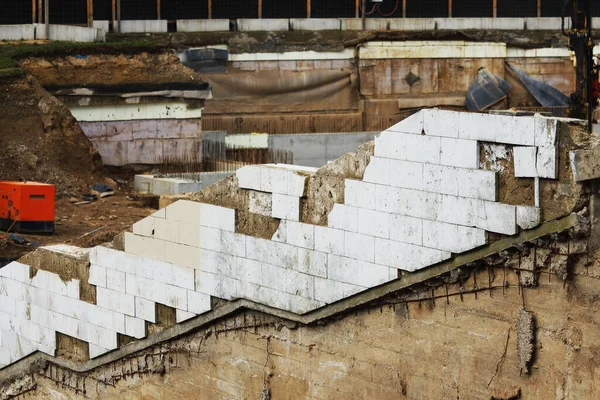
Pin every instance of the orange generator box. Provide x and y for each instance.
(27, 207)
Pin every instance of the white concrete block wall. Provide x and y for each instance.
(423, 198)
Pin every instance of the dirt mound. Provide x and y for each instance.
(41, 141)
(98, 69)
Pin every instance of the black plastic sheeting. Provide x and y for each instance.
(206, 60)
(545, 94)
(486, 90)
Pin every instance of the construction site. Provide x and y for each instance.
(346, 199)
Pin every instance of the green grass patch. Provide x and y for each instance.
(9, 53)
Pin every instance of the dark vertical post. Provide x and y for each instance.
(90, 13)
(495, 8)
(308, 9)
(539, 8)
(119, 15)
(114, 15)
(259, 8)
(209, 9)
(364, 15)
(47, 18)
(40, 10)
(403, 8)
(357, 9)
(33, 11)
(157, 9)
(449, 8)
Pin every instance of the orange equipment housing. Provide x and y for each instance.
(27, 207)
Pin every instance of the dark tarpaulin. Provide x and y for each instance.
(281, 91)
(486, 90)
(206, 60)
(545, 94)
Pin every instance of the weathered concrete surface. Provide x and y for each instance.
(585, 164)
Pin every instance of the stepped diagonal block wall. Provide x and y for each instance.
(424, 198)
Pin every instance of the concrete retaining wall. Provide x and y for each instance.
(380, 24)
(143, 26)
(17, 32)
(204, 25)
(315, 24)
(146, 141)
(423, 198)
(65, 33)
(247, 25)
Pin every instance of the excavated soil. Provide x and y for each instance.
(98, 69)
(41, 141)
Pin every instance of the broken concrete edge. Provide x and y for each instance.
(585, 164)
(39, 360)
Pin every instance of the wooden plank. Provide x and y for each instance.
(90, 13)
(403, 8)
(449, 8)
(33, 11)
(539, 8)
(308, 8)
(209, 9)
(157, 9)
(357, 8)
(114, 15)
(40, 10)
(495, 8)
(260, 4)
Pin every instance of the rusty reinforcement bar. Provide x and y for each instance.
(39, 360)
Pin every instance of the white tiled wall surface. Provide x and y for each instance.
(423, 198)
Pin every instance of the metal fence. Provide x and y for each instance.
(75, 11)
(218, 156)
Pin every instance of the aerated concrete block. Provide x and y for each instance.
(217, 217)
(97, 275)
(547, 162)
(300, 234)
(286, 207)
(374, 223)
(525, 159)
(116, 301)
(497, 217)
(359, 194)
(412, 124)
(459, 153)
(343, 217)
(145, 309)
(440, 123)
(407, 257)
(528, 217)
(359, 246)
(329, 240)
(406, 229)
(406, 174)
(378, 171)
(135, 327)
(450, 237)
